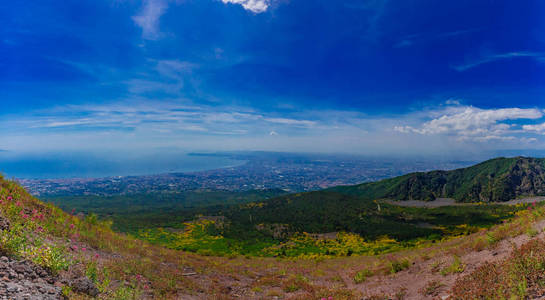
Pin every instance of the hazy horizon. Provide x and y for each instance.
(65, 165)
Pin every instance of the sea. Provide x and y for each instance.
(92, 165)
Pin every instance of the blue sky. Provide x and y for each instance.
(285, 75)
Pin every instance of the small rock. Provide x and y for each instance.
(86, 286)
(4, 223)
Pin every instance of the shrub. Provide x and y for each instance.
(52, 257)
(92, 271)
(362, 275)
(295, 283)
(14, 240)
(126, 293)
(455, 267)
(479, 244)
(398, 266)
(532, 232)
(431, 288)
(491, 239)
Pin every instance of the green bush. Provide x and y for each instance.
(362, 275)
(455, 267)
(398, 266)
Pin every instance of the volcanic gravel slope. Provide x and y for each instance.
(25, 280)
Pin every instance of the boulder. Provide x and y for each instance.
(84, 285)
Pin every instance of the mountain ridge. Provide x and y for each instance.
(495, 180)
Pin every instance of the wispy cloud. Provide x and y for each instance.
(163, 76)
(416, 38)
(496, 57)
(143, 124)
(255, 6)
(149, 17)
(175, 69)
(159, 116)
(459, 32)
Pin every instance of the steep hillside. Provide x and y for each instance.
(499, 179)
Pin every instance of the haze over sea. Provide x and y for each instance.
(85, 165)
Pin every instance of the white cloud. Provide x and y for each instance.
(79, 122)
(537, 128)
(496, 57)
(452, 102)
(255, 6)
(404, 129)
(149, 17)
(471, 123)
(291, 121)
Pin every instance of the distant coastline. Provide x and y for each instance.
(80, 166)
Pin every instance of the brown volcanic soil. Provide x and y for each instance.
(414, 280)
(268, 278)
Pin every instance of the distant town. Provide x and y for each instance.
(289, 172)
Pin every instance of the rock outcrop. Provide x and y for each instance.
(24, 280)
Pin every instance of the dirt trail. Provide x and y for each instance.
(414, 280)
